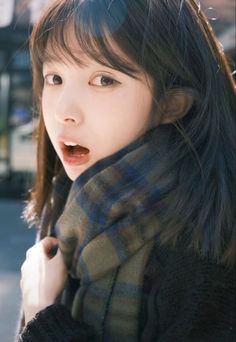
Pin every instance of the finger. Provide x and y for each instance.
(34, 250)
(49, 245)
(53, 251)
(59, 258)
(28, 252)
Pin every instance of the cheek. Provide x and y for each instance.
(44, 106)
(139, 107)
(122, 120)
(49, 123)
(47, 109)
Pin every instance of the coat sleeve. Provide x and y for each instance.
(55, 323)
(190, 300)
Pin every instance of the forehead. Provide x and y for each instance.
(64, 46)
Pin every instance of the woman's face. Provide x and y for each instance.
(92, 111)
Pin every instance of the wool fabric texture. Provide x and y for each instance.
(105, 234)
(185, 298)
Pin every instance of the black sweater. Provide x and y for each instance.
(185, 298)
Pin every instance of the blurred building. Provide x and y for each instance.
(17, 152)
(15, 97)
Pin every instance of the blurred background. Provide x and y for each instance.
(17, 126)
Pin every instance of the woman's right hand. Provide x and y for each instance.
(42, 277)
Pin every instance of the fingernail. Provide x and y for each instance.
(53, 251)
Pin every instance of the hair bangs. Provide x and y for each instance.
(97, 30)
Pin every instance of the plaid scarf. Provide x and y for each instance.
(106, 232)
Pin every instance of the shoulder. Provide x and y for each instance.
(181, 260)
(182, 267)
(186, 295)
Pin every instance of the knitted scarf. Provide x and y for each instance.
(106, 232)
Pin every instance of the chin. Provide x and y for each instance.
(74, 173)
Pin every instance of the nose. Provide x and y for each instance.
(68, 109)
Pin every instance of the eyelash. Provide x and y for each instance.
(112, 81)
(57, 80)
(53, 76)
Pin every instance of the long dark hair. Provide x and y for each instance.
(172, 41)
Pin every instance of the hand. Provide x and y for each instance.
(42, 277)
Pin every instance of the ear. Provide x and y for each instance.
(176, 104)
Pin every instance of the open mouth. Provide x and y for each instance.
(74, 149)
(74, 153)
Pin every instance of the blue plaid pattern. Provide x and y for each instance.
(106, 233)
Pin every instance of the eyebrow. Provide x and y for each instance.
(51, 58)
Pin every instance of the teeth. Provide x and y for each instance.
(68, 143)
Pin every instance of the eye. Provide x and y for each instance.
(103, 81)
(53, 79)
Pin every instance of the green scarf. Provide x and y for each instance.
(106, 232)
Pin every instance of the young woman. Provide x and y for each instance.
(135, 180)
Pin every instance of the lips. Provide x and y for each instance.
(73, 153)
(75, 150)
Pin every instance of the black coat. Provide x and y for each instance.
(185, 298)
